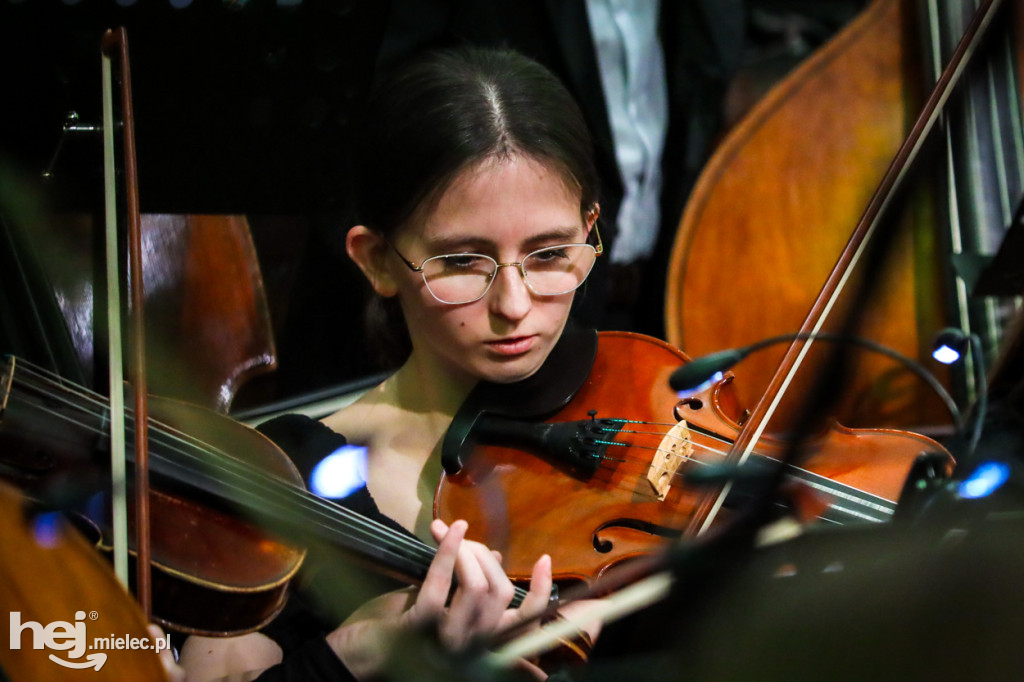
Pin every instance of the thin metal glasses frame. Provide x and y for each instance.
(598, 250)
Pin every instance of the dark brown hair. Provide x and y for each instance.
(450, 110)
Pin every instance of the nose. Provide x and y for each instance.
(509, 296)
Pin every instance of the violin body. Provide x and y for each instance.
(214, 572)
(525, 505)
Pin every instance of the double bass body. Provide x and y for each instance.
(774, 208)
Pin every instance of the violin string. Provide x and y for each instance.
(425, 552)
(166, 431)
(217, 472)
(813, 480)
(290, 496)
(331, 522)
(707, 448)
(809, 478)
(352, 520)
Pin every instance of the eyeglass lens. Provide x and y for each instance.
(463, 278)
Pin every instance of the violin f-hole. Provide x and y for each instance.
(604, 546)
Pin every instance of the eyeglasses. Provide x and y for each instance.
(465, 277)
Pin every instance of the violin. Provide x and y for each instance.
(615, 484)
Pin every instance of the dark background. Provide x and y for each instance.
(249, 108)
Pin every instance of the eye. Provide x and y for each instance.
(551, 254)
(464, 262)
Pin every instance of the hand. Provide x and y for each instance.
(479, 607)
(480, 604)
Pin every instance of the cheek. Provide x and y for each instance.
(559, 307)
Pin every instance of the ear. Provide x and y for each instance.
(592, 215)
(367, 249)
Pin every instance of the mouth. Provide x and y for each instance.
(515, 345)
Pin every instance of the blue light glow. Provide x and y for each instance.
(714, 379)
(46, 529)
(946, 355)
(984, 480)
(340, 473)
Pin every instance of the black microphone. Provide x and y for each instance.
(693, 376)
(697, 374)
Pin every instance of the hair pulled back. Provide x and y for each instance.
(449, 110)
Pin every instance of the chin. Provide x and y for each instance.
(510, 373)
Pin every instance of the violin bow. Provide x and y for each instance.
(628, 594)
(115, 45)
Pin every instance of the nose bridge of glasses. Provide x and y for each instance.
(518, 266)
(513, 290)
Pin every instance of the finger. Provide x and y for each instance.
(500, 589)
(471, 593)
(484, 593)
(437, 583)
(438, 528)
(539, 596)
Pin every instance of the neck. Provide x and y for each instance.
(425, 389)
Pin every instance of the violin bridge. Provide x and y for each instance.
(674, 449)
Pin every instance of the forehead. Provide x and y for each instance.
(498, 201)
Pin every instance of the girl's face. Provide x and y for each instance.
(505, 209)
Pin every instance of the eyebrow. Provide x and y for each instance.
(454, 244)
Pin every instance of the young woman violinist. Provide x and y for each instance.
(478, 202)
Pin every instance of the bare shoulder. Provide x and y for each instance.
(364, 419)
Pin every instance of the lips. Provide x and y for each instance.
(516, 345)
